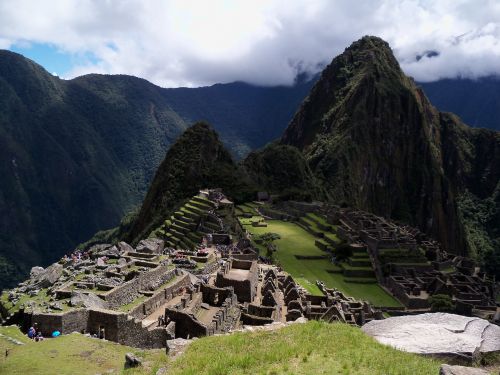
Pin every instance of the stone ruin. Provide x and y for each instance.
(200, 276)
(413, 267)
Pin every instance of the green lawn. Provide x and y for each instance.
(71, 354)
(296, 241)
(311, 348)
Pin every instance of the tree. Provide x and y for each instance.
(267, 240)
(441, 303)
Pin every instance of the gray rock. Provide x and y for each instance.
(124, 247)
(47, 277)
(35, 271)
(96, 249)
(151, 246)
(436, 333)
(100, 262)
(122, 261)
(112, 252)
(87, 300)
(56, 306)
(461, 370)
(131, 360)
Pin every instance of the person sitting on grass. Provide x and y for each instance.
(39, 336)
(31, 333)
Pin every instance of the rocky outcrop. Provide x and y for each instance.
(47, 277)
(87, 300)
(437, 333)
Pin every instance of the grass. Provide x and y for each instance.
(24, 299)
(297, 241)
(136, 302)
(311, 348)
(71, 354)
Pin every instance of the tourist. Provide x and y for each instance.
(31, 333)
(39, 336)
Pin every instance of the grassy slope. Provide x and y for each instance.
(70, 354)
(296, 241)
(312, 348)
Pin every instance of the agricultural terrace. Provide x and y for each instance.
(297, 241)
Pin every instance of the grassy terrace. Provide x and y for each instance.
(296, 241)
(39, 299)
(71, 354)
(311, 348)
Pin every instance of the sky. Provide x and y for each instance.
(265, 42)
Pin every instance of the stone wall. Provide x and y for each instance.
(117, 326)
(129, 291)
(185, 324)
(160, 297)
(244, 289)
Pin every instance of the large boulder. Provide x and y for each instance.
(47, 277)
(437, 333)
(111, 252)
(151, 246)
(87, 300)
(124, 247)
(35, 271)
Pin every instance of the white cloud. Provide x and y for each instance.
(173, 43)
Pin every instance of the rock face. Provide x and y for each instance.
(47, 277)
(436, 333)
(376, 143)
(87, 300)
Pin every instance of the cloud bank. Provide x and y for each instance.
(194, 43)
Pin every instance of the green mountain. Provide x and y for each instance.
(374, 141)
(197, 160)
(476, 101)
(76, 155)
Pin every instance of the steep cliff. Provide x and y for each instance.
(374, 141)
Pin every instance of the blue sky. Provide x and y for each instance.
(52, 58)
(267, 42)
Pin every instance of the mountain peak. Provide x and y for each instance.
(197, 160)
(366, 67)
(377, 143)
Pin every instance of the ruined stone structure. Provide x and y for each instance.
(413, 267)
(242, 276)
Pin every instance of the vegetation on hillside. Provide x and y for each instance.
(197, 160)
(373, 141)
(78, 154)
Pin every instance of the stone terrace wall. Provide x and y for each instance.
(71, 321)
(129, 291)
(118, 327)
(160, 297)
(185, 324)
(244, 289)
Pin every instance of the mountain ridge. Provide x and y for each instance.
(79, 154)
(375, 142)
